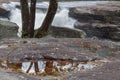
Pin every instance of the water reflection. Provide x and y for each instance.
(6, 46)
(47, 67)
(3, 46)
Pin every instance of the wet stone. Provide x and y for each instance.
(107, 71)
(74, 49)
(55, 58)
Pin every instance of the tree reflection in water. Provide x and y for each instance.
(47, 67)
(50, 67)
(36, 68)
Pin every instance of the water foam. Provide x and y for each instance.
(61, 18)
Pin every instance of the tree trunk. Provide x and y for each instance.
(25, 17)
(43, 30)
(32, 18)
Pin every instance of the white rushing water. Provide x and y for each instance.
(61, 18)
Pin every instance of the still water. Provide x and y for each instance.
(47, 67)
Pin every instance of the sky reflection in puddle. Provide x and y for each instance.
(3, 46)
(47, 67)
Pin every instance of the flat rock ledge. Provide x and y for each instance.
(64, 49)
(8, 29)
(109, 71)
(101, 20)
(75, 49)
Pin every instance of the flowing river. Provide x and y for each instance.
(61, 19)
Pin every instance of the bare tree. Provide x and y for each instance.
(25, 17)
(32, 18)
(28, 18)
(43, 30)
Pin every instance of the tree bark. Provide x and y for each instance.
(28, 18)
(32, 18)
(25, 17)
(43, 30)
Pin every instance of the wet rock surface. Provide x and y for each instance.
(4, 13)
(62, 32)
(101, 20)
(102, 53)
(63, 49)
(103, 12)
(10, 75)
(38, 49)
(85, 59)
(8, 29)
(100, 30)
(109, 71)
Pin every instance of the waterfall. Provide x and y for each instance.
(61, 18)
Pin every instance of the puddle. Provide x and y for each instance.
(47, 67)
(3, 46)
(6, 45)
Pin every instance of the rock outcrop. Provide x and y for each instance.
(108, 31)
(75, 49)
(8, 29)
(101, 20)
(62, 32)
(93, 54)
(4, 13)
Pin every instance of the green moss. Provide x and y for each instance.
(42, 34)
